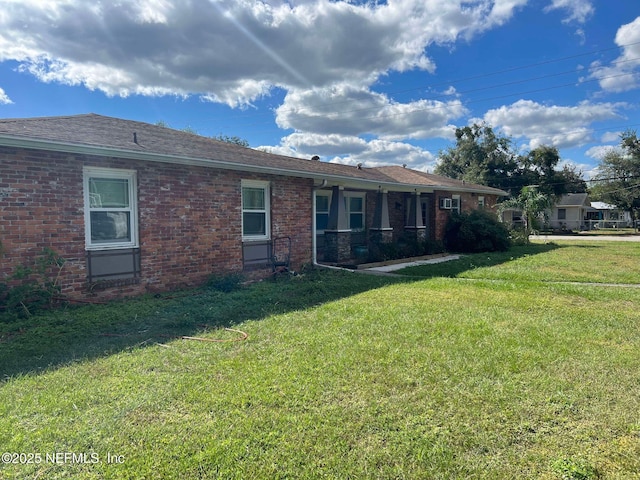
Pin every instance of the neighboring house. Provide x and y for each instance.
(604, 215)
(135, 207)
(570, 212)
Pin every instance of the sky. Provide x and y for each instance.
(371, 82)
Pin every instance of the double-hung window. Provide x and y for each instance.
(455, 203)
(110, 207)
(323, 202)
(562, 214)
(355, 210)
(255, 210)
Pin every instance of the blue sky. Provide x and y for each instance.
(375, 82)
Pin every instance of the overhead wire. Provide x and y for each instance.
(485, 75)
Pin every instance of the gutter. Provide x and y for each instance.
(353, 182)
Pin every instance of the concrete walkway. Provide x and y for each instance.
(398, 266)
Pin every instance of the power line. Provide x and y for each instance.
(485, 75)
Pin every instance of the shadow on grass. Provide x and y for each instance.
(468, 262)
(74, 333)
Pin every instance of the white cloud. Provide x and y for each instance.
(232, 51)
(4, 98)
(555, 125)
(600, 151)
(351, 150)
(358, 111)
(609, 137)
(624, 73)
(578, 10)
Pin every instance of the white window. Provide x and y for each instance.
(355, 210)
(110, 208)
(323, 201)
(455, 203)
(354, 203)
(481, 203)
(255, 210)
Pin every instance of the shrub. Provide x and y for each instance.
(477, 231)
(32, 286)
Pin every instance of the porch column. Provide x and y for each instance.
(381, 231)
(415, 228)
(337, 235)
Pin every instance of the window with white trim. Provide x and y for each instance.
(255, 210)
(455, 203)
(323, 203)
(481, 203)
(355, 210)
(562, 214)
(110, 208)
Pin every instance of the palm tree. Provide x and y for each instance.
(532, 203)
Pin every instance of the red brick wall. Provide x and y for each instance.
(189, 218)
(468, 202)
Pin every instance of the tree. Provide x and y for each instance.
(618, 180)
(479, 156)
(234, 139)
(221, 138)
(533, 204)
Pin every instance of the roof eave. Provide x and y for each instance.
(347, 181)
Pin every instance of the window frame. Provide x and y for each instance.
(456, 203)
(562, 213)
(266, 187)
(322, 212)
(89, 173)
(347, 198)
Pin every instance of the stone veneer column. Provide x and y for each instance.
(380, 231)
(337, 235)
(415, 229)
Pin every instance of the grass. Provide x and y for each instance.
(343, 376)
(574, 261)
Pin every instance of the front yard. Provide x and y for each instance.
(494, 366)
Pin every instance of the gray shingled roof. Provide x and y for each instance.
(573, 200)
(101, 135)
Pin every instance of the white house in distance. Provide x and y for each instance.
(574, 211)
(604, 215)
(570, 212)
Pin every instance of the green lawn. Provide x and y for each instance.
(499, 374)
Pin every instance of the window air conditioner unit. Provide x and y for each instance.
(445, 203)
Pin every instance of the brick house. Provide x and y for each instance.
(136, 208)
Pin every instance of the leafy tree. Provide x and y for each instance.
(573, 179)
(618, 180)
(533, 204)
(479, 156)
(222, 138)
(234, 139)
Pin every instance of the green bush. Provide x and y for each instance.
(476, 231)
(404, 248)
(32, 286)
